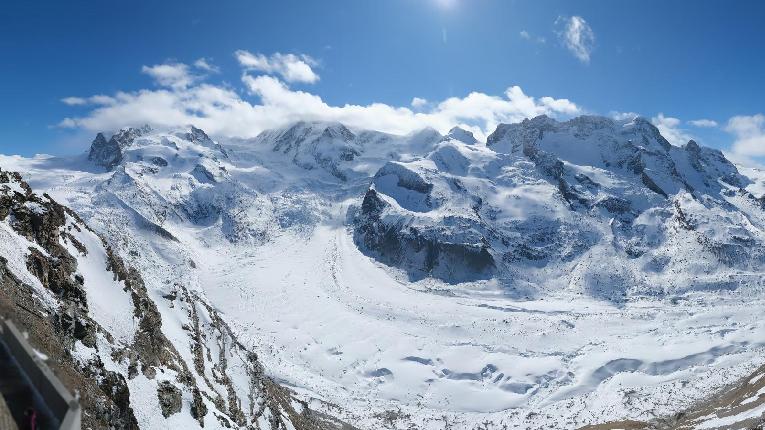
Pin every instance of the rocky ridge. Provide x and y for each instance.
(48, 290)
(544, 194)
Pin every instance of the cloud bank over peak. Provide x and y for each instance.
(184, 97)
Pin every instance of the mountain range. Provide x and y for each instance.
(560, 274)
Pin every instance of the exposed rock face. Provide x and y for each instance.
(198, 408)
(104, 152)
(48, 226)
(149, 342)
(424, 252)
(109, 153)
(169, 398)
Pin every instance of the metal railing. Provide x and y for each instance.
(65, 407)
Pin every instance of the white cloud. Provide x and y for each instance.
(224, 112)
(175, 75)
(564, 106)
(206, 65)
(418, 102)
(98, 99)
(669, 127)
(290, 67)
(525, 35)
(101, 99)
(703, 123)
(749, 132)
(74, 101)
(68, 123)
(577, 36)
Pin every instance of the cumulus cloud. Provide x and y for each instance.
(269, 102)
(291, 67)
(74, 101)
(749, 133)
(669, 127)
(577, 36)
(564, 106)
(179, 75)
(703, 123)
(101, 99)
(98, 99)
(418, 102)
(525, 35)
(174, 75)
(206, 65)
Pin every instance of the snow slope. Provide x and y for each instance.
(561, 274)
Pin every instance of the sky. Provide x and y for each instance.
(71, 69)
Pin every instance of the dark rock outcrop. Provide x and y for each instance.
(424, 252)
(109, 153)
(198, 407)
(169, 397)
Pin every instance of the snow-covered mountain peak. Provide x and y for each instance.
(196, 135)
(153, 147)
(296, 133)
(624, 147)
(425, 135)
(465, 136)
(108, 153)
(313, 144)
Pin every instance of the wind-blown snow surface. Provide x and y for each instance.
(559, 275)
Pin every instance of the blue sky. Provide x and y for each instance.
(684, 60)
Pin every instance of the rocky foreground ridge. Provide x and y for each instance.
(62, 283)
